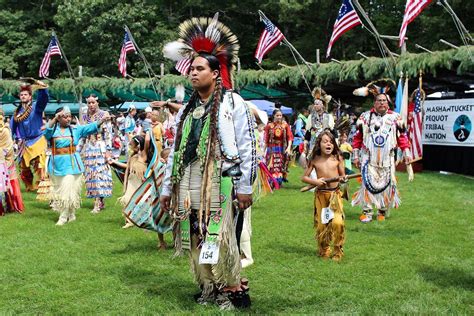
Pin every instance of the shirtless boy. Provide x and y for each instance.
(327, 161)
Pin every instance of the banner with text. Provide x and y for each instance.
(448, 122)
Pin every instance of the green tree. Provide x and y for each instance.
(91, 31)
(24, 35)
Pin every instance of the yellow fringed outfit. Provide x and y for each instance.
(334, 231)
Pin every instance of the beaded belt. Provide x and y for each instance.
(64, 150)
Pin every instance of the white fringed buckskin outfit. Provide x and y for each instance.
(374, 144)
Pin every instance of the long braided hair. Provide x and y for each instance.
(211, 141)
(206, 185)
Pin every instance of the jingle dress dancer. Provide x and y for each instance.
(98, 173)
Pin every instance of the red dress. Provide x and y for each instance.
(277, 137)
(10, 186)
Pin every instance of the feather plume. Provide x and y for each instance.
(361, 92)
(176, 50)
(212, 31)
(179, 93)
(317, 93)
(376, 87)
(320, 94)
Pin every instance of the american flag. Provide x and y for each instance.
(270, 38)
(416, 127)
(183, 66)
(127, 46)
(347, 18)
(412, 9)
(53, 49)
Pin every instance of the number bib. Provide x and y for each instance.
(326, 215)
(209, 253)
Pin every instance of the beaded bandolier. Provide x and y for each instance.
(26, 125)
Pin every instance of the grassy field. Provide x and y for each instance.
(418, 261)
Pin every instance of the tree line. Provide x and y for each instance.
(91, 31)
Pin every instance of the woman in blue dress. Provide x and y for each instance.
(65, 166)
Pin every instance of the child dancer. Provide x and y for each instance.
(65, 165)
(157, 130)
(326, 160)
(163, 159)
(346, 150)
(135, 170)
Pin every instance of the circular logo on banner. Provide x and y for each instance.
(462, 128)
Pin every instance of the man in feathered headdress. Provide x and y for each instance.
(379, 132)
(212, 164)
(26, 126)
(319, 119)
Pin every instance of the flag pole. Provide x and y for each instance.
(288, 44)
(465, 35)
(64, 56)
(463, 32)
(77, 91)
(148, 68)
(383, 47)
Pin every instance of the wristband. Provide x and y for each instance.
(407, 153)
(355, 153)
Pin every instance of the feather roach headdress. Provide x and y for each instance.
(320, 94)
(208, 36)
(375, 87)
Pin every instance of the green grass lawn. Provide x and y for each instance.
(418, 261)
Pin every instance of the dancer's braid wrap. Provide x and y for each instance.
(206, 185)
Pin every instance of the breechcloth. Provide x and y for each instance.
(26, 174)
(35, 156)
(334, 231)
(227, 272)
